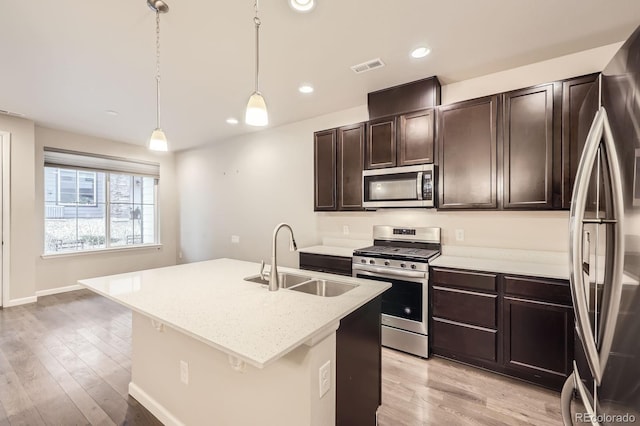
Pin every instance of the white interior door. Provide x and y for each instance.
(5, 156)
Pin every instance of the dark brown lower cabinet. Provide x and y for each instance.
(359, 366)
(514, 325)
(325, 263)
(538, 340)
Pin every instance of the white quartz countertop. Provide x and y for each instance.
(211, 302)
(328, 250)
(505, 266)
(544, 264)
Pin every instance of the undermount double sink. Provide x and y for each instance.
(305, 284)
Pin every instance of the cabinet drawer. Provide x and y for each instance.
(554, 291)
(465, 306)
(464, 279)
(324, 263)
(464, 340)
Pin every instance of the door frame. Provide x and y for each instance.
(5, 195)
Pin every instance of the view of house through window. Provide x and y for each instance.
(87, 210)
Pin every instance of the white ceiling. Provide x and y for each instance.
(64, 63)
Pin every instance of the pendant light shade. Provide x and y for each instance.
(158, 140)
(256, 113)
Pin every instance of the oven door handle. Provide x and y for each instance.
(381, 272)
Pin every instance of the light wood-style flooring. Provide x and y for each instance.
(66, 360)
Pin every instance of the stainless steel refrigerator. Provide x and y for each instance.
(604, 388)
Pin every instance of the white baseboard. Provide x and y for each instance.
(152, 405)
(58, 290)
(18, 302)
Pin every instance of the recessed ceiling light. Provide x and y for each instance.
(111, 112)
(302, 5)
(305, 88)
(420, 52)
(232, 121)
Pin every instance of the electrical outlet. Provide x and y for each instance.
(235, 239)
(324, 376)
(345, 230)
(184, 372)
(459, 234)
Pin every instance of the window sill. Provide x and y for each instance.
(104, 250)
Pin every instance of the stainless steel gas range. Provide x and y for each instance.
(401, 256)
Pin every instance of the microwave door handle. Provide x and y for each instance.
(419, 186)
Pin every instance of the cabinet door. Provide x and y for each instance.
(350, 162)
(467, 145)
(324, 177)
(538, 340)
(381, 143)
(415, 138)
(528, 147)
(359, 366)
(577, 109)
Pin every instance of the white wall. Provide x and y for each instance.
(23, 235)
(55, 272)
(246, 185)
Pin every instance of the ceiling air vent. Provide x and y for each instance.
(368, 66)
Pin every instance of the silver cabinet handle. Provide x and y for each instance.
(597, 356)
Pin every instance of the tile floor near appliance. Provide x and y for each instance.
(66, 360)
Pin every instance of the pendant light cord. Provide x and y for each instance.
(157, 69)
(256, 20)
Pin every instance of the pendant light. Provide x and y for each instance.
(256, 114)
(158, 140)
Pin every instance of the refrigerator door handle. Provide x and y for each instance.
(565, 400)
(576, 218)
(597, 354)
(614, 268)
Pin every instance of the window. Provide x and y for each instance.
(76, 187)
(97, 209)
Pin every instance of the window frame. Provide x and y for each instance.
(77, 193)
(107, 210)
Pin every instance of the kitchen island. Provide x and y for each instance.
(212, 348)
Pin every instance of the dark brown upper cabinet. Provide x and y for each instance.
(381, 143)
(338, 165)
(324, 177)
(404, 98)
(530, 134)
(415, 138)
(402, 140)
(467, 153)
(579, 106)
(350, 166)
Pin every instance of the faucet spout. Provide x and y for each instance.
(274, 280)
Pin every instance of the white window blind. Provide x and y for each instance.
(63, 158)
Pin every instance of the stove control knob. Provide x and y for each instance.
(363, 260)
(372, 262)
(402, 265)
(413, 266)
(386, 263)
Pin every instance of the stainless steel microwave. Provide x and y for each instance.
(410, 186)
